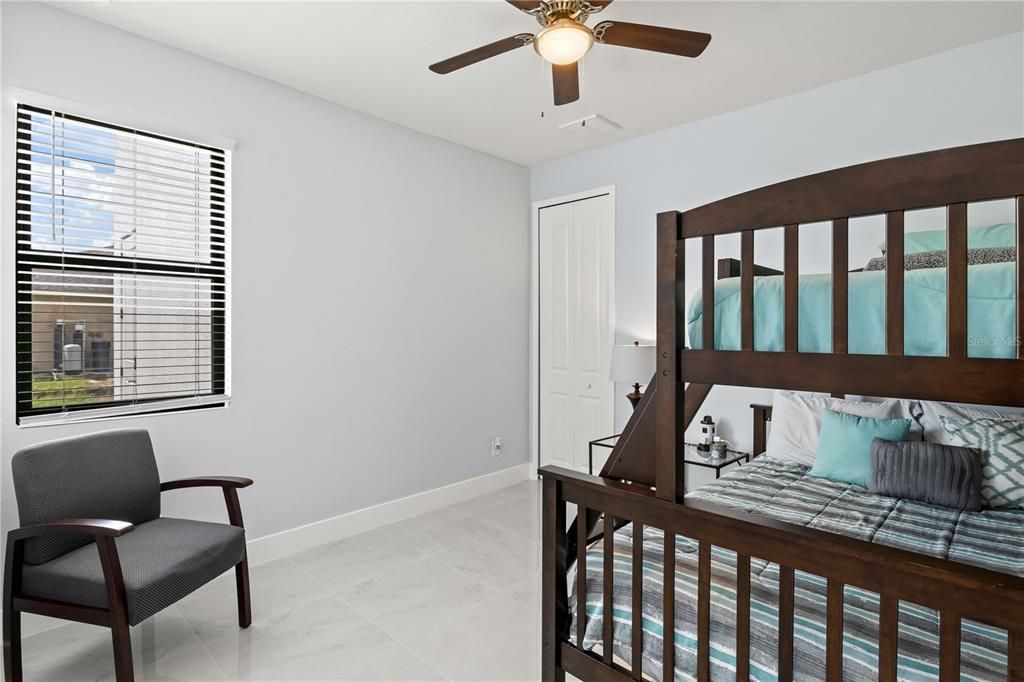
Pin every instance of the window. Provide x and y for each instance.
(122, 240)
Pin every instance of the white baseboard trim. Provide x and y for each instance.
(286, 542)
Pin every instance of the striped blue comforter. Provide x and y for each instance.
(783, 490)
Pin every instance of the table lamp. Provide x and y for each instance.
(633, 364)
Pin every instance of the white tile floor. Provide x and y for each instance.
(453, 594)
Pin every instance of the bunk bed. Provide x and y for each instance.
(766, 584)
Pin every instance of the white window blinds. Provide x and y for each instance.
(122, 279)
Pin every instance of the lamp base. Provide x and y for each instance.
(635, 396)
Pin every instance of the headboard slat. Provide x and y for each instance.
(747, 290)
(791, 269)
(840, 284)
(894, 282)
(1020, 275)
(707, 334)
(956, 280)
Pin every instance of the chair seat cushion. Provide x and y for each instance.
(162, 561)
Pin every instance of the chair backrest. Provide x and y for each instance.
(108, 475)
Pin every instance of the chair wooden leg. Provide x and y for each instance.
(12, 618)
(120, 631)
(12, 644)
(121, 635)
(242, 587)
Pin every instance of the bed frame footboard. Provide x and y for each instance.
(956, 591)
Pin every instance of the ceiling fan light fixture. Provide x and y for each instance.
(564, 42)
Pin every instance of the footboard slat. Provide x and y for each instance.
(742, 618)
(1015, 661)
(704, 613)
(888, 631)
(607, 618)
(786, 608)
(581, 574)
(834, 632)
(949, 647)
(554, 597)
(637, 616)
(668, 609)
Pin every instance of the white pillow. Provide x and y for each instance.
(933, 412)
(796, 422)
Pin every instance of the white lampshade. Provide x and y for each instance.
(633, 364)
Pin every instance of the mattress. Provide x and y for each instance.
(783, 490)
(991, 316)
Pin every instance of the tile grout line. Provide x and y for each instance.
(199, 639)
(371, 620)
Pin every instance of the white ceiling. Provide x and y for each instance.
(373, 57)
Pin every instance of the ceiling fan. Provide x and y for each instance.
(565, 38)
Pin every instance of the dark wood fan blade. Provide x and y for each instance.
(530, 5)
(566, 79)
(482, 53)
(525, 5)
(653, 38)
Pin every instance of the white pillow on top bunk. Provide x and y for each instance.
(796, 422)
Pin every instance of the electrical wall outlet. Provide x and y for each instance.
(496, 446)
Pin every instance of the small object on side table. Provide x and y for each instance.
(707, 434)
(719, 448)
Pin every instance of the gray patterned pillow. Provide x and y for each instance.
(937, 259)
(1001, 442)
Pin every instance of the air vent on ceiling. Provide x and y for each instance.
(592, 126)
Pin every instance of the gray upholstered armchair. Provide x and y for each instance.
(93, 548)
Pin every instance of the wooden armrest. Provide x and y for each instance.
(229, 485)
(233, 482)
(94, 527)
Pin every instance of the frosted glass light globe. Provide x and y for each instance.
(564, 42)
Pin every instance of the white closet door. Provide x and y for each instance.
(576, 261)
(557, 301)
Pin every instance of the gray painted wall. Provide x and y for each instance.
(968, 95)
(360, 251)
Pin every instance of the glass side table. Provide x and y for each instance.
(690, 455)
(606, 442)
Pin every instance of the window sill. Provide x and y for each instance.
(119, 413)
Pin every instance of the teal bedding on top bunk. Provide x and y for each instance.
(991, 316)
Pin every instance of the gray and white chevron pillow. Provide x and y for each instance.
(1001, 442)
